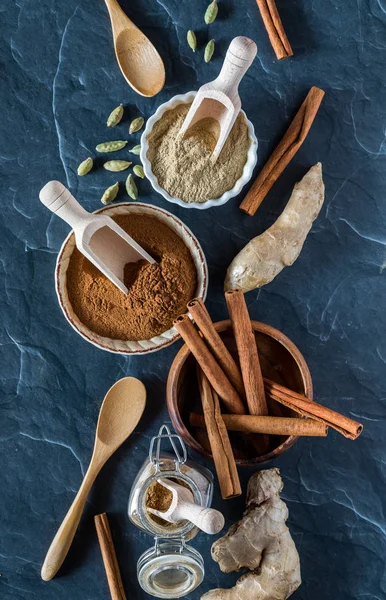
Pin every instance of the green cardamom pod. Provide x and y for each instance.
(85, 166)
(131, 188)
(111, 146)
(138, 171)
(115, 116)
(211, 13)
(192, 40)
(209, 49)
(136, 125)
(110, 194)
(116, 165)
(136, 149)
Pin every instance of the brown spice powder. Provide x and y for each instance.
(158, 293)
(160, 498)
(183, 167)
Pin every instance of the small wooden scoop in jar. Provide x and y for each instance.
(97, 237)
(182, 508)
(220, 98)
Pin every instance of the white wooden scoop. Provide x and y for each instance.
(183, 508)
(220, 98)
(97, 237)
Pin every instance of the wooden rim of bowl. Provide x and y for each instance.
(175, 373)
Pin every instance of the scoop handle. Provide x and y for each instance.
(238, 59)
(59, 200)
(208, 520)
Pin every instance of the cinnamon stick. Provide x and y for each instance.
(109, 557)
(302, 405)
(249, 361)
(198, 310)
(201, 436)
(271, 425)
(284, 152)
(275, 29)
(219, 440)
(247, 350)
(209, 365)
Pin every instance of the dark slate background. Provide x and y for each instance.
(59, 81)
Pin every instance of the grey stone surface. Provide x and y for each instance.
(59, 81)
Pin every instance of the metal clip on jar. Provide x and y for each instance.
(171, 568)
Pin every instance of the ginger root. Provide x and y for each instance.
(262, 543)
(266, 255)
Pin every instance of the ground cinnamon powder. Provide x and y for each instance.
(160, 498)
(158, 293)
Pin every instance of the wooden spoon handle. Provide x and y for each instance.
(119, 19)
(61, 543)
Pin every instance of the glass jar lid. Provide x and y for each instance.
(170, 569)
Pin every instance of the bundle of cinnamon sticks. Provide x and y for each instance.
(242, 391)
(275, 29)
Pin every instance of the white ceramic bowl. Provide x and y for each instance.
(121, 346)
(240, 183)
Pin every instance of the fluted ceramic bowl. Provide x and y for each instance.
(240, 183)
(127, 346)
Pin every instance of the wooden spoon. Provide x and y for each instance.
(120, 413)
(139, 61)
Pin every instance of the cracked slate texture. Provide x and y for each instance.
(59, 82)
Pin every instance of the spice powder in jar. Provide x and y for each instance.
(160, 498)
(158, 292)
(183, 166)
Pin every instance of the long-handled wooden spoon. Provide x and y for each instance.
(139, 61)
(120, 413)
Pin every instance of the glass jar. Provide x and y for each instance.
(171, 568)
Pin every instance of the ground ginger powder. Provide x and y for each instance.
(158, 293)
(183, 167)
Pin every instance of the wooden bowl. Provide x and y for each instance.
(280, 361)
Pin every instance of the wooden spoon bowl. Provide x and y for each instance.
(135, 56)
(280, 361)
(139, 61)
